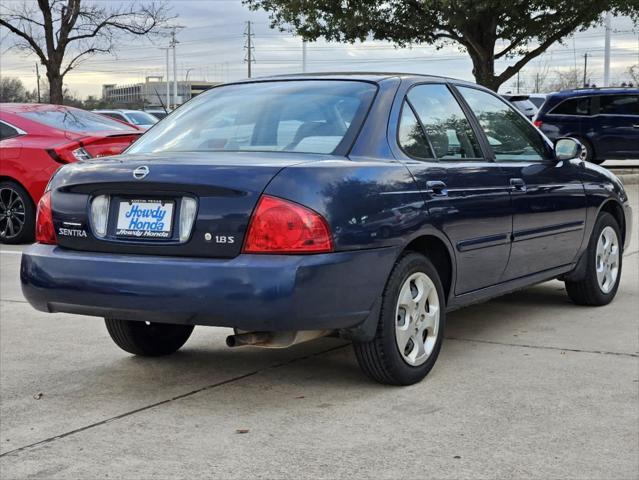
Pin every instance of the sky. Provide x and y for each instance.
(211, 47)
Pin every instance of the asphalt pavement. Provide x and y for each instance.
(526, 386)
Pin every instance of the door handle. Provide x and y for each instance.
(635, 126)
(518, 184)
(437, 187)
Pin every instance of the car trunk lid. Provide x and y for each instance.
(224, 185)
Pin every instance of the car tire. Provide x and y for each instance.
(604, 258)
(588, 151)
(148, 339)
(381, 358)
(16, 206)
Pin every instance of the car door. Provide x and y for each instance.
(467, 195)
(616, 125)
(548, 198)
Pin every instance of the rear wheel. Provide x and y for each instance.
(17, 214)
(148, 338)
(411, 325)
(603, 268)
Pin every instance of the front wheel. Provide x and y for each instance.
(411, 325)
(148, 339)
(603, 265)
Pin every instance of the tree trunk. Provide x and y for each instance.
(56, 95)
(484, 70)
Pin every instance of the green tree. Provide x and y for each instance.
(12, 90)
(62, 33)
(488, 30)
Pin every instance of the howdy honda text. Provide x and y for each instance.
(145, 218)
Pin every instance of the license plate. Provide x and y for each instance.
(145, 219)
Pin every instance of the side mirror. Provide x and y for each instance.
(567, 148)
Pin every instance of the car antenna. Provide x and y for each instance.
(160, 99)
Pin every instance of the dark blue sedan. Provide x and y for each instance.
(364, 206)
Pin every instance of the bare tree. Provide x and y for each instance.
(633, 71)
(63, 33)
(566, 79)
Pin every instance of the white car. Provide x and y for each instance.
(140, 119)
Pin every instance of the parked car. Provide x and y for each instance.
(138, 118)
(523, 103)
(604, 120)
(242, 209)
(158, 113)
(538, 99)
(34, 141)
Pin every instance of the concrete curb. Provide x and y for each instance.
(630, 178)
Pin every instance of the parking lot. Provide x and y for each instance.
(527, 385)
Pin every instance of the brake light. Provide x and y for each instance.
(280, 226)
(71, 152)
(45, 233)
(537, 123)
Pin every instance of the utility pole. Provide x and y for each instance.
(167, 79)
(303, 56)
(608, 21)
(38, 76)
(175, 80)
(518, 83)
(585, 68)
(248, 46)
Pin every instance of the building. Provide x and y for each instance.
(152, 92)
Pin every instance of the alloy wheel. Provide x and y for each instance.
(607, 260)
(12, 213)
(417, 319)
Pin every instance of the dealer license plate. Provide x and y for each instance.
(150, 219)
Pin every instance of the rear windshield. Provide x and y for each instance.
(141, 118)
(75, 120)
(310, 116)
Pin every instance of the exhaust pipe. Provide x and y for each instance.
(274, 339)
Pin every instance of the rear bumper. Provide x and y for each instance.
(249, 292)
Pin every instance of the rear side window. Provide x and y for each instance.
(509, 134)
(7, 131)
(445, 124)
(74, 120)
(573, 106)
(411, 136)
(619, 104)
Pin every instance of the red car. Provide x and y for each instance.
(34, 141)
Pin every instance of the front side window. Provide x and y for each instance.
(447, 128)
(573, 106)
(310, 116)
(619, 104)
(509, 134)
(73, 119)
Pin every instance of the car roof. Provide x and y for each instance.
(117, 110)
(360, 76)
(25, 107)
(580, 92)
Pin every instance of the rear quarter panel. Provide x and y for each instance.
(368, 204)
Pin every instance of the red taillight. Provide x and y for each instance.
(45, 233)
(280, 226)
(69, 153)
(537, 123)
